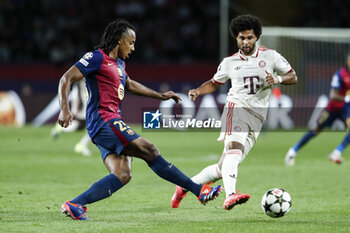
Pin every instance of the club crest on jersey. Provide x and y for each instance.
(88, 55)
(262, 63)
(121, 92)
(130, 132)
(237, 129)
(120, 72)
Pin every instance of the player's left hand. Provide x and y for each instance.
(171, 95)
(270, 79)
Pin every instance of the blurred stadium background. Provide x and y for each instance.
(179, 45)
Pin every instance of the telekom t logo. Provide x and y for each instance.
(251, 84)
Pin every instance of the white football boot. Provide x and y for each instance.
(335, 157)
(289, 160)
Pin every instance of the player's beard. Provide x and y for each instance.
(247, 50)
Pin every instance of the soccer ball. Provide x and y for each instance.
(276, 202)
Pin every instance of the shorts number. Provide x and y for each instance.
(122, 126)
(324, 117)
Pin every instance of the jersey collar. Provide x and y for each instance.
(244, 57)
(107, 56)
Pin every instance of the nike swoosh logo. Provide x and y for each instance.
(170, 165)
(110, 64)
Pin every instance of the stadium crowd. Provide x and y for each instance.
(175, 30)
(60, 31)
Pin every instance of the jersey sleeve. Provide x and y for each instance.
(90, 62)
(281, 65)
(336, 82)
(221, 74)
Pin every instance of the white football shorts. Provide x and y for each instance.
(239, 125)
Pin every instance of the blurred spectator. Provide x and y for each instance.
(58, 31)
(168, 30)
(326, 13)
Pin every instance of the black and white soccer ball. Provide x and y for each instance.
(276, 202)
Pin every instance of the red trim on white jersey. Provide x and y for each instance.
(255, 54)
(263, 49)
(213, 80)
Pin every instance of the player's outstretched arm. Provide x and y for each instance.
(73, 74)
(206, 88)
(140, 89)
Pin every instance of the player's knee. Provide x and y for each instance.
(235, 146)
(150, 151)
(126, 177)
(143, 149)
(123, 176)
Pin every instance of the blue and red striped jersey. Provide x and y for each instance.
(340, 82)
(105, 79)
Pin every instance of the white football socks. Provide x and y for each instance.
(208, 174)
(229, 170)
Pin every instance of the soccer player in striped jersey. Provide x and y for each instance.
(251, 73)
(338, 107)
(107, 80)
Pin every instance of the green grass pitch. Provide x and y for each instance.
(37, 174)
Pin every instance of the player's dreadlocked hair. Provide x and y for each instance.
(112, 34)
(245, 22)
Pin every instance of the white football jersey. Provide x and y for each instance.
(247, 73)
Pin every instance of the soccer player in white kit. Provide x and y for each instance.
(252, 74)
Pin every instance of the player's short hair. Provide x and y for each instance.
(243, 23)
(112, 34)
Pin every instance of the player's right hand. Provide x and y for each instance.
(193, 94)
(65, 118)
(271, 79)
